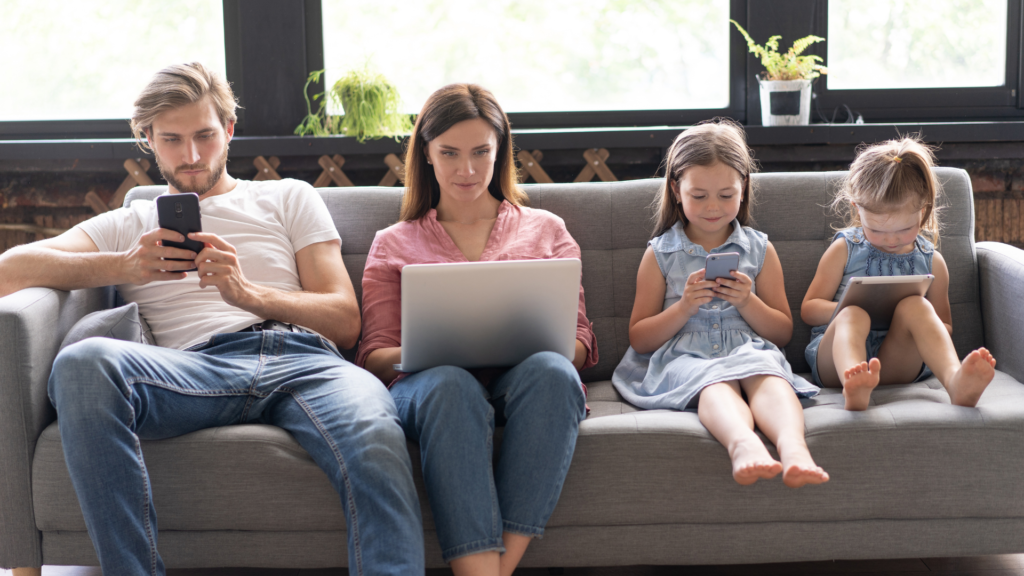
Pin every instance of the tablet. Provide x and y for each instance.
(483, 314)
(879, 295)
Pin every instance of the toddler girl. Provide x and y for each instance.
(716, 341)
(891, 230)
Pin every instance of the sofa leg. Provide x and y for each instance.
(28, 572)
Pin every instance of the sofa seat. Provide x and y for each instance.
(911, 455)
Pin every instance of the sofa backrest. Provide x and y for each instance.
(612, 224)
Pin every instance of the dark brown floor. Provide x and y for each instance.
(1005, 565)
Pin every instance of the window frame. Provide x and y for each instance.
(877, 105)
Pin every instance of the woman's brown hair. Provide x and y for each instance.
(716, 140)
(445, 108)
(888, 176)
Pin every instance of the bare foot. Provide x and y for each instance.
(798, 474)
(859, 382)
(974, 375)
(751, 462)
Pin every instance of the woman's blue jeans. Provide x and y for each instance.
(110, 394)
(452, 417)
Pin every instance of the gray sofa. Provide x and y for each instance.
(912, 476)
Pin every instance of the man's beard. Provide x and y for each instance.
(200, 187)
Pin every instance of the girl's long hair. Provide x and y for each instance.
(716, 140)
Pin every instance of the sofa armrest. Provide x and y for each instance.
(33, 323)
(1001, 273)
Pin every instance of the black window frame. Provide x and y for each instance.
(271, 46)
(932, 104)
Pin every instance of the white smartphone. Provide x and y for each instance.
(720, 265)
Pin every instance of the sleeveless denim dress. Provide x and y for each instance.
(863, 259)
(715, 345)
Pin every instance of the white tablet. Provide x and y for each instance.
(481, 314)
(879, 295)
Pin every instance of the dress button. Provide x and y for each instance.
(715, 326)
(715, 346)
(714, 306)
(691, 250)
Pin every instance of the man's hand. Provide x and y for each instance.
(218, 266)
(147, 261)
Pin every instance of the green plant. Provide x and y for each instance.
(369, 104)
(788, 66)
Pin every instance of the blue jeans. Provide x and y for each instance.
(110, 394)
(452, 417)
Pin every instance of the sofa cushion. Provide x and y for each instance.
(911, 455)
(121, 323)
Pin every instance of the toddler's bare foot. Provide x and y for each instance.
(859, 382)
(974, 375)
(751, 462)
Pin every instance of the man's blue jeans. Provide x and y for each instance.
(452, 417)
(109, 394)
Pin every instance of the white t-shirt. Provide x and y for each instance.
(267, 222)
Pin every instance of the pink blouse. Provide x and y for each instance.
(519, 233)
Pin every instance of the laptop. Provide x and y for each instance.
(488, 314)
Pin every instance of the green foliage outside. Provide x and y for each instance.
(788, 66)
(369, 104)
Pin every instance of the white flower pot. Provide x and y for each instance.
(785, 102)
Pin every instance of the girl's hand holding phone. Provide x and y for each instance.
(698, 291)
(735, 292)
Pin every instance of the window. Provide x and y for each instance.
(921, 60)
(90, 60)
(538, 55)
(916, 44)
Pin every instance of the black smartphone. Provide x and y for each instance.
(180, 212)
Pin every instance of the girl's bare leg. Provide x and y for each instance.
(515, 547)
(778, 414)
(726, 415)
(917, 335)
(842, 357)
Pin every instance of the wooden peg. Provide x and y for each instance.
(266, 169)
(332, 172)
(595, 165)
(396, 171)
(136, 177)
(530, 166)
(97, 204)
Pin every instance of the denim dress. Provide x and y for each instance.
(715, 345)
(863, 259)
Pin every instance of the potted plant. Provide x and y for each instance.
(369, 104)
(786, 81)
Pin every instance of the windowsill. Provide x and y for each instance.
(552, 139)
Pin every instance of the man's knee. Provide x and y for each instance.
(449, 391)
(82, 375)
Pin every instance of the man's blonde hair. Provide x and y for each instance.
(176, 86)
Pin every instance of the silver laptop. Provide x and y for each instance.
(479, 314)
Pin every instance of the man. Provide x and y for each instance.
(239, 340)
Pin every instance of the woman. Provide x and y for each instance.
(462, 204)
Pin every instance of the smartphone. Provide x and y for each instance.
(180, 212)
(720, 265)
